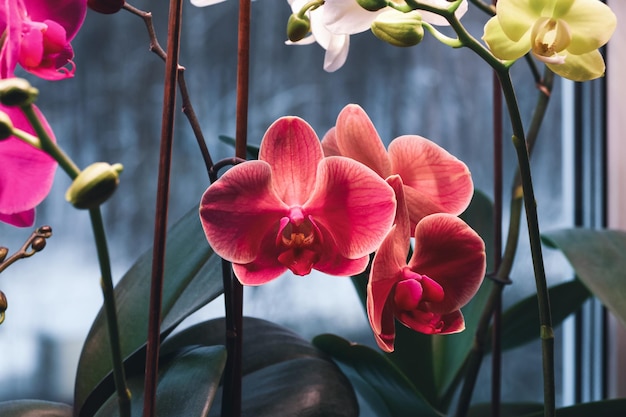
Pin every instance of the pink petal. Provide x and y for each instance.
(358, 139)
(428, 322)
(240, 210)
(26, 173)
(353, 204)
(332, 263)
(387, 266)
(449, 252)
(31, 48)
(439, 182)
(292, 149)
(329, 143)
(22, 219)
(68, 13)
(264, 268)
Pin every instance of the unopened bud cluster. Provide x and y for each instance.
(17, 92)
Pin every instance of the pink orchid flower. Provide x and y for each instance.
(37, 34)
(444, 273)
(26, 173)
(434, 180)
(294, 209)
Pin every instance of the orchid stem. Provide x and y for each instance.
(162, 200)
(104, 260)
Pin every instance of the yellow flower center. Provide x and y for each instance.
(549, 37)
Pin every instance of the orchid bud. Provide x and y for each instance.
(94, 185)
(399, 29)
(4, 251)
(3, 306)
(6, 126)
(298, 27)
(105, 6)
(17, 92)
(372, 5)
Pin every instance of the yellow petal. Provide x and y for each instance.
(583, 67)
(517, 16)
(501, 45)
(592, 23)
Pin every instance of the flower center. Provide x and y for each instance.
(548, 38)
(298, 242)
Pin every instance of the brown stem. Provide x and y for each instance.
(160, 224)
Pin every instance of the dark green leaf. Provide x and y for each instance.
(192, 279)
(395, 396)
(187, 384)
(283, 374)
(598, 259)
(520, 323)
(34, 408)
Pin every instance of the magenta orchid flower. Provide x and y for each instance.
(37, 34)
(443, 274)
(294, 209)
(434, 180)
(26, 173)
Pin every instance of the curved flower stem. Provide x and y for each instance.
(106, 279)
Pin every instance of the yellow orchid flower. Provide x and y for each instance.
(564, 34)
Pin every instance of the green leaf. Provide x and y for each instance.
(187, 384)
(598, 258)
(281, 371)
(34, 408)
(608, 408)
(192, 279)
(380, 383)
(520, 323)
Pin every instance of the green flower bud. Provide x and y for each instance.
(6, 126)
(372, 5)
(298, 27)
(94, 185)
(399, 29)
(17, 92)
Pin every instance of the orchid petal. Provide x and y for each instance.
(583, 67)
(264, 268)
(333, 263)
(358, 139)
(516, 17)
(449, 252)
(387, 266)
(441, 181)
(336, 53)
(21, 219)
(592, 23)
(68, 13)
(329, 143)
(353, 203)
(239, 210)
(27, 173)
(293, 150)
(501, 45)
(428, 322)
(347, 17)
